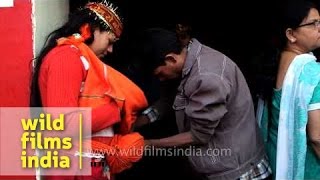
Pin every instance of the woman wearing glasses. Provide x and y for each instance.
(291, 113)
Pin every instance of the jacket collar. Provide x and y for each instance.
(194, 48)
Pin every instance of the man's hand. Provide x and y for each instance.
(141, 121)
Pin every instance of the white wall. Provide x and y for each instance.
(48, 16)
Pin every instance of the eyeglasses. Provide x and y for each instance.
(315, 23)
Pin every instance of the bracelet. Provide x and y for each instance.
(151, 113)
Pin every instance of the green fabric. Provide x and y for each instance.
(311, 171)
(273, 130)
(316, 95)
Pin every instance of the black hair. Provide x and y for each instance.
(153, 45)
(76, 20)
(293, 14)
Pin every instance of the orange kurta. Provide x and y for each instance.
(103, 85)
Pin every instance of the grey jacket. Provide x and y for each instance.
(215, 104)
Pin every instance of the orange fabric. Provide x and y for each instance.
(96, 85)
(134, 99)
(85, 31)
(121, 150)
(104, 84)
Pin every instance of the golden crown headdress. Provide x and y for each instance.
(106, 12)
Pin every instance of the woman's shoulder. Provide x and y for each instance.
(64, 50)
(64, 54)
(311, 73)
(312, 67)
(308, 63)
(62, 58)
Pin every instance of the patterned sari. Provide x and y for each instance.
(294, 158)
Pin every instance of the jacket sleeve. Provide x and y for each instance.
(207, 105)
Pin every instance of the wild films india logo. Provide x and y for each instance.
(33, 136)
(46, 141)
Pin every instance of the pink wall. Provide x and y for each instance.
(16, 53)
(16, 56)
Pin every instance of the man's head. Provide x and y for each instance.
(162, 53)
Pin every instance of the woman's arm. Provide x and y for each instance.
(313, 130)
